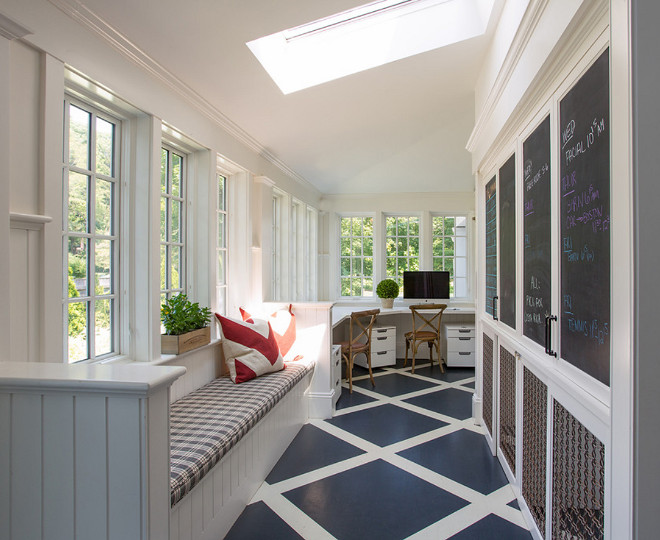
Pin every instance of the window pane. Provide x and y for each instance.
(368, 226)
(103, 332)
(437, 247)
(221, 295)
(413, 228)
(345, 266)
(357, 227)
(368, 287)
(461, 246)
(368, 267)
(449, 226)
(105, 140)
(77, 342)
(104, 200)
(345, 247)
(391, 266)
(163, 219)
(79, 127)
(356, 287)
(368, 247)
(221, 230)
(103, 263)
(402, 226)
(222, 201)
(345, 226)
(176, 175)
(461, 226)
(175, 266)
(78, 197)
(449, 265)
(460, 287)
(221, 268)
(413, 246)
(357, 266)
(449, 247)
(390, 247)
(163, 267)
(402, 264)
(461, 267)
(77, 267)
(164, 154)
(356, 247)
(345, 286)
(390, 226)
(402, 247)
(437, 263)
(176, 221)
(438, 226)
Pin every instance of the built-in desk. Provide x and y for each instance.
(399, 316)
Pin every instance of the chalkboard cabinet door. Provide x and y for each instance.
(582, 288)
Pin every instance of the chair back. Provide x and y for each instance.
(423, 321)
(360, 327)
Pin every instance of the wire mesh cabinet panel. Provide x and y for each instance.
(488, 361)
(578, 479)
(534, 446)
(507, 407)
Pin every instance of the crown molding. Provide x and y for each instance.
(523, 34)
(10, 29)
(83, 15)
(583, 24)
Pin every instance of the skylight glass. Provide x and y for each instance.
(365, 37)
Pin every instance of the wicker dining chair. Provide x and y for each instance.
(426, 320)
(359, 342)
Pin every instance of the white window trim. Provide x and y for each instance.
(376, 253)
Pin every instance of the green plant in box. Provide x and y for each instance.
(388, 288)
(180, 315)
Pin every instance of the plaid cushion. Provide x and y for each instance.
(207, 423)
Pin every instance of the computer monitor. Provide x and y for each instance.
(426, 285)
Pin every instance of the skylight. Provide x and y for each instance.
(365, 37)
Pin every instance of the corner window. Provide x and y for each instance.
(356, 256)
(172, 223)
(90, 229)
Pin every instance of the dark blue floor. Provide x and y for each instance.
(341, 478)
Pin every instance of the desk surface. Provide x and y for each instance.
(341, 313)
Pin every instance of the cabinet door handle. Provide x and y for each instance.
(548, 335)
(495, 299)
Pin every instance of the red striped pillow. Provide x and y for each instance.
(283, 323)
(250, 349)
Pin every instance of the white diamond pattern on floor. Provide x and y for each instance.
(403, 459)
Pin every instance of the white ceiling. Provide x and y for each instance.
(401, 127)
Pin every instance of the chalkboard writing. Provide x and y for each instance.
(584, 142)
(507, 297)
(536, 232)
(491, 245)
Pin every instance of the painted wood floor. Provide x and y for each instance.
(399, 460)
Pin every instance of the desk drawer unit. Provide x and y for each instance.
(335, 359)
(383, 347)
(460, 340)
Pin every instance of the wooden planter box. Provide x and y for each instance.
(185, 342)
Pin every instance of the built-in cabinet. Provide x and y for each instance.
(543, 326)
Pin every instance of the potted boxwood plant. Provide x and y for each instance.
(186, 325)
(387, 290)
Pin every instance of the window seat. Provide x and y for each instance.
(207, 423)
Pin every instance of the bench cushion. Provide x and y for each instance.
(207, 423)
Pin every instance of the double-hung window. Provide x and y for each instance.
(401, 246)
(221, 245)
(91, 232)
(356, 256)
(450, 251)
(172, 223)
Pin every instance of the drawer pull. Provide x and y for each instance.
(381, 330)
(381, 338)
(465, 353)
(465, 331)
(381, 352)
(464, 338)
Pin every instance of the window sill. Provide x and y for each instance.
(165, 359)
